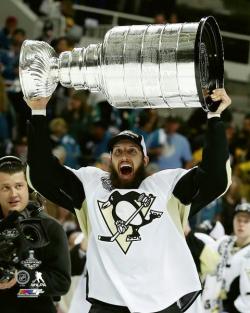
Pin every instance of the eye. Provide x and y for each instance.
(132, 151)
(19, 186)
(5, 188)
(117, 152)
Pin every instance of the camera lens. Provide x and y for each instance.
(31, 233)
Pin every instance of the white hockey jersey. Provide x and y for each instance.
(235, 263)
(137, 254)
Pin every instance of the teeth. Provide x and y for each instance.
(126, 165)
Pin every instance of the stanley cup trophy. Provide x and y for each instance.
(140, 66)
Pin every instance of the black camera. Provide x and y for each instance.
(18, 234)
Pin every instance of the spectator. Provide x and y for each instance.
(62, 44)
(229, 201)
(7, 32)
(59, 136)
(10, 70)
(96, 143)
(104, 162)
(160, 18)
(211, 212)
(227, 289)
(78, 115)
(7, 120)
(243, 138)
(47, 32)
(20, 148)
(173, 18)
(169, 148)
(10, 58)
(53, 10)
(146, 124)
(73, 31)
(65, 218)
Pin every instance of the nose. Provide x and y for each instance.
(13, 192)
(124, 156)
(241, 224)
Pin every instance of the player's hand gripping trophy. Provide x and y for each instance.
(145, 66)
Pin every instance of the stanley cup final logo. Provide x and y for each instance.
(31, 262)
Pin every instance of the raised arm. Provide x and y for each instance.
(202, 184)
(45, 174)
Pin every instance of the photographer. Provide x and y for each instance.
(34, 257)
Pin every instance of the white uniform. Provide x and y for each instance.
(147, 266)
(79, 304)
(196, 307)
(234, 264)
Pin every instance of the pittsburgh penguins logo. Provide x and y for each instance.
(125, 215)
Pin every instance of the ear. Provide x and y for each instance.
(146, 160)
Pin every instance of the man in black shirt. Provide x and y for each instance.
(42, 274)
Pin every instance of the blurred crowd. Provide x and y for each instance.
(81, 124)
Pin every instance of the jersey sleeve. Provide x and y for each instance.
(45, 174)
(210, 180)
(165, 182)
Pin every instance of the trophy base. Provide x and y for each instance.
(209, 62)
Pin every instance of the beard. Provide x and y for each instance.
(134, 183)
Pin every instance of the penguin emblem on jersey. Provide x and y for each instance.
(125, 214)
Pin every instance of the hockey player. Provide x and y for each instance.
(137, 257)
(228, 289)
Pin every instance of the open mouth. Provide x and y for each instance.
(126, 169)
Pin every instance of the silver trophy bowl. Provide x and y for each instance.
(140, 66)
(37, 77)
